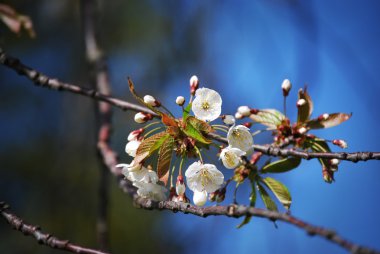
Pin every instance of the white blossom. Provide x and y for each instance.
(228, 119)
(200, 198)
(151, 191)
(240, 137)
(180, 100)
(302, 130)
(207, 104)
(126, 168)
(131, 147)
(238, 115)
(231, 157)
(142, 175)
(203, 177)
(244, 110)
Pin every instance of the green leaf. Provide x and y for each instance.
(164, 158)
(186, 112)
(304, 111)
(199, 124)
(279, 190)
(281, 166)
(192, 132)
(268, 117)
(149, 145)
(268, 201)
(330, 121)
(252, 199)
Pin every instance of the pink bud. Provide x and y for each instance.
(244, 110)
(194, 84)
(135, 135)
(150, 100)
(339, 142)
(143, 117)
(301, 102)
(286, 86)
(180, 186)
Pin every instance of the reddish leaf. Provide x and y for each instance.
(168, 121)
(16, 21)
(328, 120)
(304, 111)
(164, 158)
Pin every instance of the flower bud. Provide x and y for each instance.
(339, 142)
(301, 102)
(131, 147)
(142, 117)
(228, 119)
(150, 100)
(135, 135)
(200, 198)
(328, 175)
(247, 124)
(180, 186)
(194, 84)
(286, 86)
(255, 157)
(302, 130)
(244, 110)
(180, 100)
(334, 162)
(238, 115)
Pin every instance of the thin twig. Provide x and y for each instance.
(41, 79)
(42, 238)
(100, 82)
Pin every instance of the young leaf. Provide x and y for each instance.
(15, 21)
(149, 145)
(168, 121)
(268, 201)
(281, 166)
(192, 132)
(304, 111)
(186, 111)
(200, 125)
(268, 117)
(330, 121)
(164, 158)
(279, 190)
(252, 199)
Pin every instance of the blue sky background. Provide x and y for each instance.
(242, 49)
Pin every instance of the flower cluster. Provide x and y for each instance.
(187, 137)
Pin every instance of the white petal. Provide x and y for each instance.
(200, 198)
(211, 99)
(240, 137)
(231, 157)
(131, 147)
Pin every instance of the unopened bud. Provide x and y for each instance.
(150, 100)
(238, 115)
(180, 186)
(180, 100)
(339, 142)
(334, 162)
(142, 117)
(244, 110)
(255, 157)
(228, 119)
(328, 175)
(194, 84)
(247, 124)
(286, 86)
(200, 198)
(135, 135)
(302, 130)
(301, 102)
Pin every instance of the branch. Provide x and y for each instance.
(41, 79)
(236, 211)
(42, 238)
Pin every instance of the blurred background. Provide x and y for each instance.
(242, 49)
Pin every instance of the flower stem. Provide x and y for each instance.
(153, 123)
(153, 130)
(180, 166)
(199, 153)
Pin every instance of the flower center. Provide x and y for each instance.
(205, 177)
(205, 105)
(229, 158)
(236, 133)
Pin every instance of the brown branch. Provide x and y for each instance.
(42, 238)
(236, 211)
(99, 82)
(41, 79)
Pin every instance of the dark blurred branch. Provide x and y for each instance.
(99, 82)
(41, 79)
(236, 211)
(42, 238)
